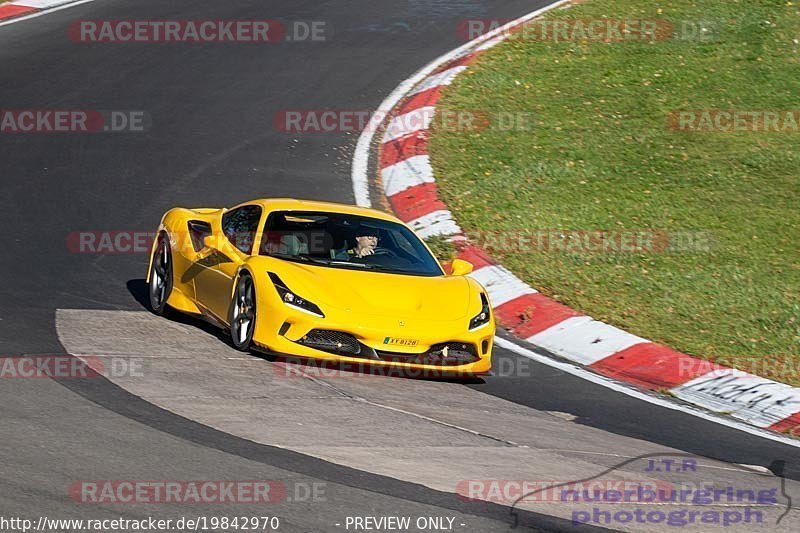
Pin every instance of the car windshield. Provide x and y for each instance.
(338, 240)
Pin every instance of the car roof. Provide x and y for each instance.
(293, 204)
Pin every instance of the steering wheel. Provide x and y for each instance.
(384, 251)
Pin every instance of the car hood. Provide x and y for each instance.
(381, 294)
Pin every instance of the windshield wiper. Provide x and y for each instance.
(304, 258)
(348, 263)
(370, 266)
(317, 260)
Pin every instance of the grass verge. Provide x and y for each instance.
(717, 274)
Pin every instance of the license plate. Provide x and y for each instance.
(394, 341)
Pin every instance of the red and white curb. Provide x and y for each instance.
(21, 8)
(407, 179)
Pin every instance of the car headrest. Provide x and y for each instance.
(292, 245)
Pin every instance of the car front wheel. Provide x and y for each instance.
(160, 285)
(243, 313)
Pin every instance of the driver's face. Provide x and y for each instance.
(367, 241)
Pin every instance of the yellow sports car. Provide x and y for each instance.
(325, 281)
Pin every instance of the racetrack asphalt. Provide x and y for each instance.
(212, 143)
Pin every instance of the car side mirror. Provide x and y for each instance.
(461, 267)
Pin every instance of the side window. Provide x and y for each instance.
(198, 230)
(240, 226)
(403, 243)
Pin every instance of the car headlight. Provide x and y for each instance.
(483, 317)
(292, 299)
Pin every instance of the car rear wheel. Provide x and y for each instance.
(243, 313)
(160, 276)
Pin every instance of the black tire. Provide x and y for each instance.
(243, 313)
(161, 281)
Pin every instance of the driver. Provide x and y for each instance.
(366, 243)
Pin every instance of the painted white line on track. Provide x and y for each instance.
(439, 223)
(412, 122)
(40, 4)
(501, 284)
(439, 80)
(407, 173)
(491, 43)
(360, 168)
(354, 397)
(584, 340)
(44, 12)
(582, 373)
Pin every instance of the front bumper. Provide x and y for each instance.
(416, 344)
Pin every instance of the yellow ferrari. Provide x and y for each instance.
(322, 280)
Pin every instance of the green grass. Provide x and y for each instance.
(599, 156)
(442, 248)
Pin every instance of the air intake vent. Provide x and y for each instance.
(330, 341)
